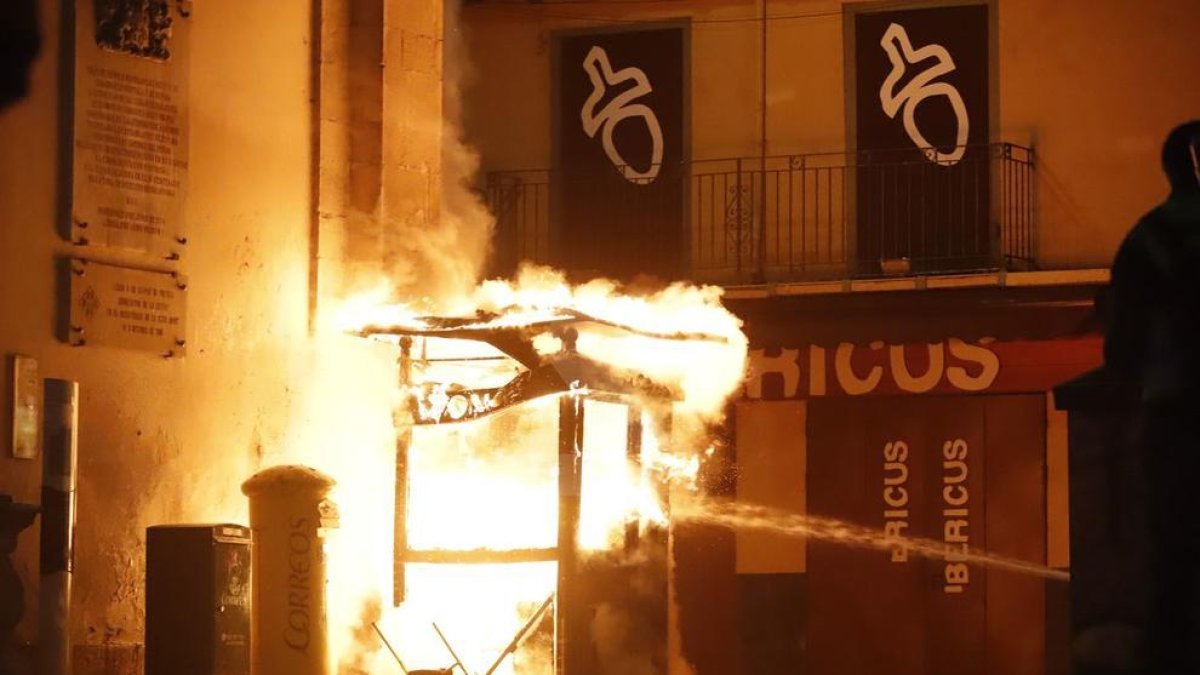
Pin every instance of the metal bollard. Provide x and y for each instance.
(61, 424)
(288, 509)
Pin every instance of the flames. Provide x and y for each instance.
(681, 334)
(491, 484)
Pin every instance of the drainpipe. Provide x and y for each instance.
(762, 210)
(58, 526)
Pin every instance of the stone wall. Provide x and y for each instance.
(170, 440)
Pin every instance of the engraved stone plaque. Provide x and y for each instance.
(126, 307)
(131, 124)
(26, 412)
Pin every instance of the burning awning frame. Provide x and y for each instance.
(559, 373)
(567, 374)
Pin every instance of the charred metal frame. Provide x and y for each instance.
(574, 379)
(403, 443)
(569, 630)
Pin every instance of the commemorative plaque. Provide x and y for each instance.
(126, 307)
(130, 165)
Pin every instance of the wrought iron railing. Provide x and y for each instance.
(788, 218)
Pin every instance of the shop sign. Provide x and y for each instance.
(949, 366)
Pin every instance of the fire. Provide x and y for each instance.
(707, 370)
(615, 492)
(478, 608)
(491, 484)
(540, 295)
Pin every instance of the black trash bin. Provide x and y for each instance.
(198, 600)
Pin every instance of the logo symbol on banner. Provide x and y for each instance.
(901, 53)
(620, 108)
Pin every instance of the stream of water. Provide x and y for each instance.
(742, 516)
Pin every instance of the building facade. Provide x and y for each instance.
(282, 210)
(912, 206)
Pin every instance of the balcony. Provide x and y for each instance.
(776, 219)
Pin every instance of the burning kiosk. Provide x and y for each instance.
(456, 370)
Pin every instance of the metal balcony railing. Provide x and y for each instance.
(788, 218)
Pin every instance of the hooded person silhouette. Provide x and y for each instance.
(1153, 343)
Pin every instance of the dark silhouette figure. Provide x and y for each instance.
(20, 43)
(13, 519)
(1154, 342)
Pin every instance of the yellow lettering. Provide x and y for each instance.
(895, 497)
(851, 383)
(905, 379)
(986, 359)
(957, 574)
(784, 364)
(955, 531)
(895, 452)
(958, 500)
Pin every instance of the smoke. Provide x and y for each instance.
(463, 211)
(339, 422)
(341, 393)
(617, 649)
(677, 662)
(357, 661)
(343, 418)
(630, 593)
(435, 263)
(434, 260)
(343, 426)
